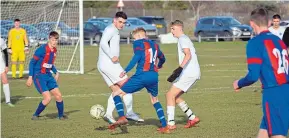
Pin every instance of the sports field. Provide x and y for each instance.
(223, 113)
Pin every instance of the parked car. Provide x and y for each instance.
(156, 21)
(4, 33)
(4, 22)
(68, 35)
(223, 26)
(100, 25)
(106, 20)
(91, 31)
(284, 23)
(34, 36)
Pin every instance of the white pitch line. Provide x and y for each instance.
(193, 91)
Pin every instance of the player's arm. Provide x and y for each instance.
(54, 70)
(136, 57)
(106, 36)
(254, 60)
(4, 49)
(185, 45)
(25, 40)
(38, 53)
(161, 57)
(10, 35)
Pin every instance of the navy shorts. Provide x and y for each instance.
(44, 82)
(276, 110)
(148, 80)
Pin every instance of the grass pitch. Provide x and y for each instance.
(223, 113)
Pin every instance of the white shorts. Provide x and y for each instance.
(184, 82)
(2, 66)
(110, 73)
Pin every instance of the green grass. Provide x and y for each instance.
(223, 113)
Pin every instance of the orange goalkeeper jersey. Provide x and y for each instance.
(17, 39)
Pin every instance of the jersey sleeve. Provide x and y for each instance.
(38, 53)
(54, 70)
(25, 37)
(3, 47)
(10, 35)
(104, 42)
(161, 57)
(254, 61)
(185, 42)
(138, 50)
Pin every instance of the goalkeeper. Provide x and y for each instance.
(17, 47)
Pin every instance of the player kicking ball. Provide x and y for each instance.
(109, 67)
(183, 77)
(267, 59)
(39, 72)
(146, 52)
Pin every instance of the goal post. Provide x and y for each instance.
(39, 18)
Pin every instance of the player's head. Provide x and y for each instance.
(119, 20)
(259, 19)
(276, 20)
(139, 33)
(53, 38)
(177, 28)
(17, 23)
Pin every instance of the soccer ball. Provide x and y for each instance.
(97, 111)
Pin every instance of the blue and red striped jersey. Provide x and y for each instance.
(43, 60)
(267, 59)
(146, 53)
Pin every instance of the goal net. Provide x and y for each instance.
(39, 18)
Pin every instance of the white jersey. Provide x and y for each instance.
(2, 47)
(192, 69)
(109, 44)
(278, 32)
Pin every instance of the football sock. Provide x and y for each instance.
(171, 115)
(110, 106)
(13, 68)
(118, 105)
(185, 108)
(21, 69)
(39, 109)
(127, 99)
(6, 90)
(160, 113)
(60, 107)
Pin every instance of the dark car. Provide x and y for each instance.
(91, 31)
(4, 33)
(157, 21)
(4, 22)
(67, 34)
(223, 26)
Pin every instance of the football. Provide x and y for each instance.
(97, 111)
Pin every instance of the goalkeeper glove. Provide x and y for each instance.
(177, 72)
(26, 47)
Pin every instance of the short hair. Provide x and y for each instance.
(54, 34)
(17, 20)
(260, 16)
(120, 15)
(177, 23)
(138, 30)
(276, 16)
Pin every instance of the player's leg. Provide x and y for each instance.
(53, 88)
(6, 89)
(14, 58)
(152, 88)
(40, 85)
(263, 133)
(21, 63)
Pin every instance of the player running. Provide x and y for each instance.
(146, 53)
(4, 71)
(183, 77)
(39, 72)
(268, 61)
(17, 47)
(109, 67)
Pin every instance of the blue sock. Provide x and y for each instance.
(59, 106)
(39, 109)
(160, 113)
(118, 105)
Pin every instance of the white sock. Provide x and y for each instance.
(171, 115)
(6, 90)
(185, 108)
(110, 106)
(127, 99)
